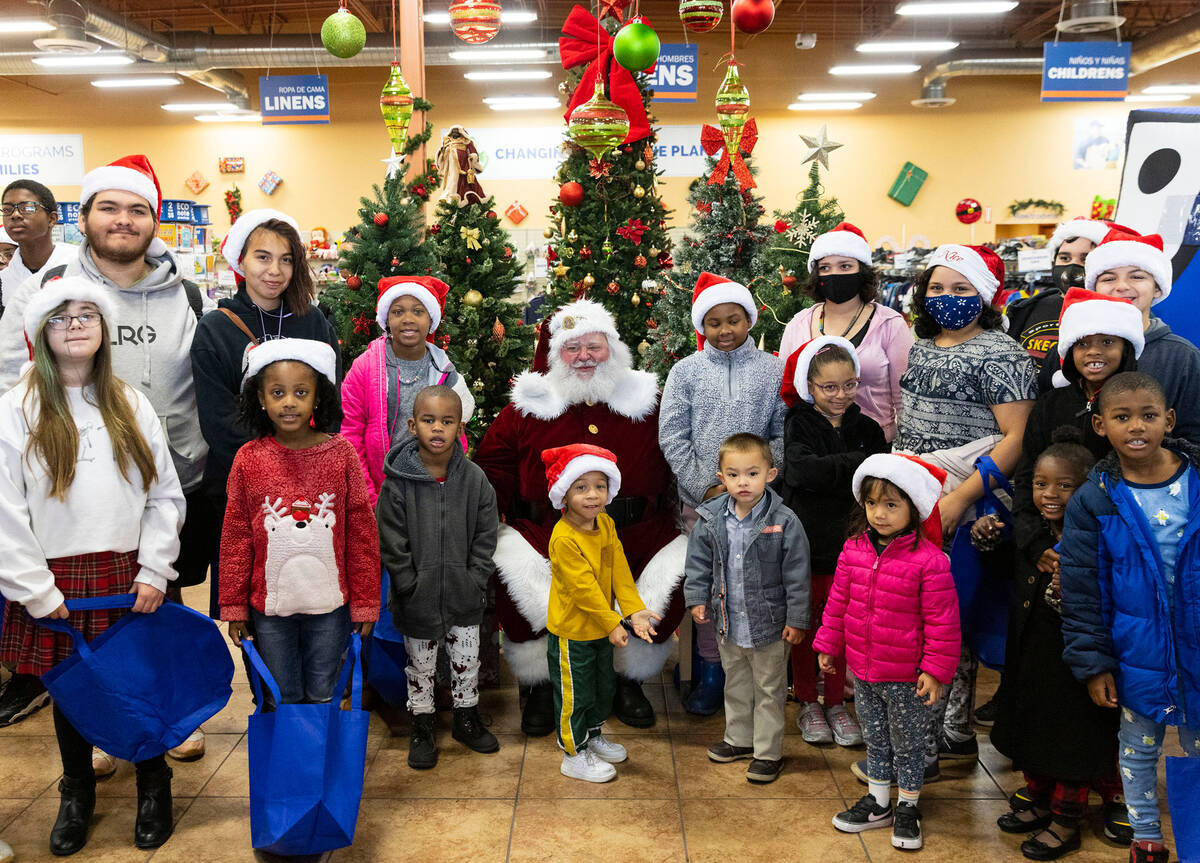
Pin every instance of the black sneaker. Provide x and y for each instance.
(469, 731)
(866, 814)
(422, 745)
(1116, 824)
(961, 750)
(761, 772)
(933, 772)
(723, 752)
(985, 714)
(906, 828)
(22, 697)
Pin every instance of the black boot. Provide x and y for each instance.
(155, 820)
(631, 705)
(422, 746)
(469, 731)
(69, 833)
(537, 719)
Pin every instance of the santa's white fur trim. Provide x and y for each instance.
(639, 660)
(122, 178)
(527, 660)
(64, 290)
(810, 350)
(845, 243)
(534, 395)
(234, 244)
(916, 482)
(576, 468)
(525, 574)
(317, 355)
(408, 289)
(1073, 230)
(635, 395)
(1129, 253)
(723, 292)
(662, 575)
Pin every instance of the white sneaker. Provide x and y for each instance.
(846, 732)
(812, 724)
(190, 749)
(6, 852)
(103, 763)
(606, 750)
(588, 767)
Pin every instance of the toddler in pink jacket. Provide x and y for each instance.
(893, 612)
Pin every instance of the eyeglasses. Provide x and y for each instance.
(25, 208)
(831, 390)
(61, 322)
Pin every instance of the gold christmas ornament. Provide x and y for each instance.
(655, 251)
(572, 237)
(636, 300)
(639, 192)
(639, 165)
(589, 280)
(473, 298)
(548, 232)
(643, 347)
(406, 200)
(561, 270)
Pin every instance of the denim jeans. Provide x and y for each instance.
(1140, 739)
(303, 652)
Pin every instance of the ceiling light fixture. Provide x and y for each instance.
(955, 7)
(522, 103)
(26, 25)
(193, 107)
(66, 61)
(906, 46)
(850, 96)
(824, 106)
(1158, 89)
(473, 56)
(136, 81)
(1157, 97)
(875, 69)
(253, 117)
(509, 75)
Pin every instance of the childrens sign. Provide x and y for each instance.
(676, 74)
(1085, 71)
(54, 160)
(294, 99)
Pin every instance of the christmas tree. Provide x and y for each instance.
(486, 337)
(725, 238)
(608, 238)
(785, 258)
(389, 241)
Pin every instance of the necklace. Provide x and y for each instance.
(853, 320)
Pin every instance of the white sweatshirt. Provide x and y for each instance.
(16, 273)
(102, 512)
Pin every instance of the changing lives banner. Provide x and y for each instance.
(1085, 71)
(533, 153)
(54, 160)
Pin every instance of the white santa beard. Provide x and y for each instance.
(600, 386)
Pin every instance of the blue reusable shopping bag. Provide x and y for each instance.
(145, 683)
(386, 657)
(983, 596)
(1183, 795)
(306, 764)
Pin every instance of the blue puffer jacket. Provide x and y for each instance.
(1115, 612)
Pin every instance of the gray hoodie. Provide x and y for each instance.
(150, 350)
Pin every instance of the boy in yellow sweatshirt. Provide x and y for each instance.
(588, 569)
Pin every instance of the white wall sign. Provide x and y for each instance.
(534, 152)
(55, 160)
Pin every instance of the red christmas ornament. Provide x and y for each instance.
(789, 282)
(585, 252)
(498, 331)
(353, 283)
(419, 190)
(614, 288)
(508, 253)
(435, 227)
(704, 207)
(445, 341)
(381, 219)
(639, 261)
(781, 226)
(468, 260)
(968, 211)
(753, 16)
(571, 194)
(492, 214)
(362, 325)
(651, 323)
(395, 262)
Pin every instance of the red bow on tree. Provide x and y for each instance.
(712, 140)
(584, 40)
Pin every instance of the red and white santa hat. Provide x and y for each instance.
(132, 174)
(565, 464)
(64, 290)
(319, 356)
(1087, 313)
(5, 238)
(918, 479)
(233, 247)
(1089, 229)
(844, 239)
(579, 319)
(1123, 247)
(795, 370)
(430, 291)
(980, 266)
(712, 290)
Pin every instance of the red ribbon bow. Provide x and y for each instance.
(584, 40)
(712, 140)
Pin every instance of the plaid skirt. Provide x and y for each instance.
(31, 649)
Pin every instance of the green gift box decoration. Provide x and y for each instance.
(907, 184)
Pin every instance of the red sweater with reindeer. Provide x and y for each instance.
(299, 534)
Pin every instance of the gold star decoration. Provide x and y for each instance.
(819, 147)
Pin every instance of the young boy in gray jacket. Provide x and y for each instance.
(748, 564)
(437, 532)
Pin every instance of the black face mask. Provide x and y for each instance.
(1067, 276)
(841, 287)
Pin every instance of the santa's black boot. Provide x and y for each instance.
(537, 719)
(631, 705)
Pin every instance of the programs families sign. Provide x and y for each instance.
(294, 99)
(55, 160)
(1085, 71)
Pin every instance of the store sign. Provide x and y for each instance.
(1085, 71)
(54, 160)
(294, 99)
(534, 152)
(676, 74)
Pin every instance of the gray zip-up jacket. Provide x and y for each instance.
(710, 396)
(151, 348)
(775, 570)
(436, 540)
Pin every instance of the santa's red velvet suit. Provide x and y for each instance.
(626, 423)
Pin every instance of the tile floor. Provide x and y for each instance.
(667, 804)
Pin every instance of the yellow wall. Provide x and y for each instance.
(999, 143)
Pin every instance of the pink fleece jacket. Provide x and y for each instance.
(883, 356)
(894, 615)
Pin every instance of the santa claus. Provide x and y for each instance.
(583, 389)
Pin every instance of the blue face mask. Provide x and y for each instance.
(954, 313)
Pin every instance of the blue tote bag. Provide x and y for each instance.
(306, 764)
(145, 683)
(983, 595)
(386, 656)
(1183, 795)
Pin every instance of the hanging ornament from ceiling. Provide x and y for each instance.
(598, 125)
(700, 16)
(636, 45)
(342, 34)
(585, 41)
(396, 105)
(475, 21)
(733, 107)
(752, 16)
(819, 147)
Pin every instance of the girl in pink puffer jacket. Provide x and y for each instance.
(893, 612)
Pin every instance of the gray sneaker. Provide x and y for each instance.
(812, 724)
(846, 732)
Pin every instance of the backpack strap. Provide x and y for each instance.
(195, 300)
(239, 323)
(52, 274)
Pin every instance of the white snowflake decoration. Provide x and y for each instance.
(804, 230)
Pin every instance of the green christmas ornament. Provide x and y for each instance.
(342, 34)
(733, 106)
(396, 105)
(636, 46)
(598, 125)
